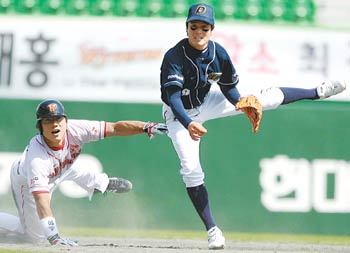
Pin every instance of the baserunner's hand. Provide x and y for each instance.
(154, 128)
(59, 241)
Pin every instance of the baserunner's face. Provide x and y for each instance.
(54, 130)
(199, 34)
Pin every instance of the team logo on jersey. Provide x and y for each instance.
(74, 150)
(214, 77)
(201, 10)
(52, 107)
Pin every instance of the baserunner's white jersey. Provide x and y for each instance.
(43, 166)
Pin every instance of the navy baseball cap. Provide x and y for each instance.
(201, 12)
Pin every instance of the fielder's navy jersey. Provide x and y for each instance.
(195, 71)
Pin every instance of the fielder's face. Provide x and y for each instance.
(54, 130)
(199, 34)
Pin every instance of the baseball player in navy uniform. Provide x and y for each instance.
(198, 83)
(48, 160)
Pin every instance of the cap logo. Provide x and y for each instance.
(52, 107)
(201, 10)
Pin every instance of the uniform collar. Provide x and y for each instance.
(207, 53)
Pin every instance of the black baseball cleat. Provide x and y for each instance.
(118, 185)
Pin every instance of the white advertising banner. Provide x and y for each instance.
(118, 60)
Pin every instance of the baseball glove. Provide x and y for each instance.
(251, 106)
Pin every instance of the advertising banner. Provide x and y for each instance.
(119, 60)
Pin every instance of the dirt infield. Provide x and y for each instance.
(135, 245)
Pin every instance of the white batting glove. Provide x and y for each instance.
(59, 241)
(152, 128)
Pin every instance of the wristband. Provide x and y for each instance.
(49, 227)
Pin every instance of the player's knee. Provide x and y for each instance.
(192, 178)
(271, 98)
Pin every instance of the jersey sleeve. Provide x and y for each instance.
(171, 72)
(229, 75)
(87, 130)
(38, 179)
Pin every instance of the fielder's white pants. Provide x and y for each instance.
(215, 106)
(28, 222)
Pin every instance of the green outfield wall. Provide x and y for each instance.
(292, 177)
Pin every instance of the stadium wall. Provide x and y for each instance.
(292, 177)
